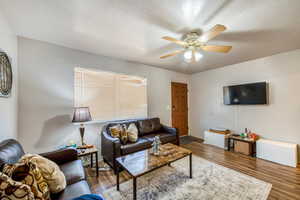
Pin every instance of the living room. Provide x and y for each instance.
(47, 42)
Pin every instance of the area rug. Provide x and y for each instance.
(210, 182)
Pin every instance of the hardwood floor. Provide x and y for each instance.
(285, 180)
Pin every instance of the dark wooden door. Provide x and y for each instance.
(180, 107)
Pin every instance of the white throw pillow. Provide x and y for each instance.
(132, 132)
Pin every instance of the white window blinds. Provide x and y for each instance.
(110, 96)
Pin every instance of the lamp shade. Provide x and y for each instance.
(81, 114)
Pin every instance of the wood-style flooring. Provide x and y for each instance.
(285, 180)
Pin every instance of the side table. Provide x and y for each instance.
(250, 141)
(90, 152)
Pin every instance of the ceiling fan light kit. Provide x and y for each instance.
(193, 42)
(188, 56)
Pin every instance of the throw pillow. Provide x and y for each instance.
(119, 131)
(123, 135)
(132, 132)
(115, 131)
(13, 190)
(29, 174)
(54, 177)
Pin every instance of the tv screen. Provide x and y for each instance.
(246, 94)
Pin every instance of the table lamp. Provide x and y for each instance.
(81, 115)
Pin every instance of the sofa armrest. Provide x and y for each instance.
(110, 147)
(61, 156)
(173, 131)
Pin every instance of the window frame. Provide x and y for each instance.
(94, 121)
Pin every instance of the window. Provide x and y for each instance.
(110, 96)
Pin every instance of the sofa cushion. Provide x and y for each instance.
(140, 144)
(147, 126)
(156, 126)
(164, 137)
(72, 191)
(73, 171)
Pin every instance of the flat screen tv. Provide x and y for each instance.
(246, 94)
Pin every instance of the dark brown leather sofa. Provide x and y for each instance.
(112, 148)
(11, 151)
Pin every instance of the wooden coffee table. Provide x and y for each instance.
(142, 162)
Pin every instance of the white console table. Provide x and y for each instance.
(215, 139)
(279, 152)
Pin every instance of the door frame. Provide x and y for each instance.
(188, 111)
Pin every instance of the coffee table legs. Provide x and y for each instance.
(118, 178)
(191, 166)
(134, 184)
(135, 178)
(134, 188)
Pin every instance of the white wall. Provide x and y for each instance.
(46, 92)
(278, 121)
(9, 106)
(46, 95)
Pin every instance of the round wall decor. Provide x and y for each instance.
(5, 75)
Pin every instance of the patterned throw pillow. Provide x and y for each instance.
(132, 132)
(29, 174)
(115, 131)
(13, 190)
(119, 131)
(52, 174)
(124, 135)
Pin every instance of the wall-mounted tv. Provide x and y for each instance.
(246, 94)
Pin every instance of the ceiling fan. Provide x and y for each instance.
(193, 42)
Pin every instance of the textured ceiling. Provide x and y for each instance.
(131, 29)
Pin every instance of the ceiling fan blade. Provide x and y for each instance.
(215, 31)
(220, 49)
(182, 43)
(172, 54)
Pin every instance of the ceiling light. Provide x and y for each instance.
(188, 56)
